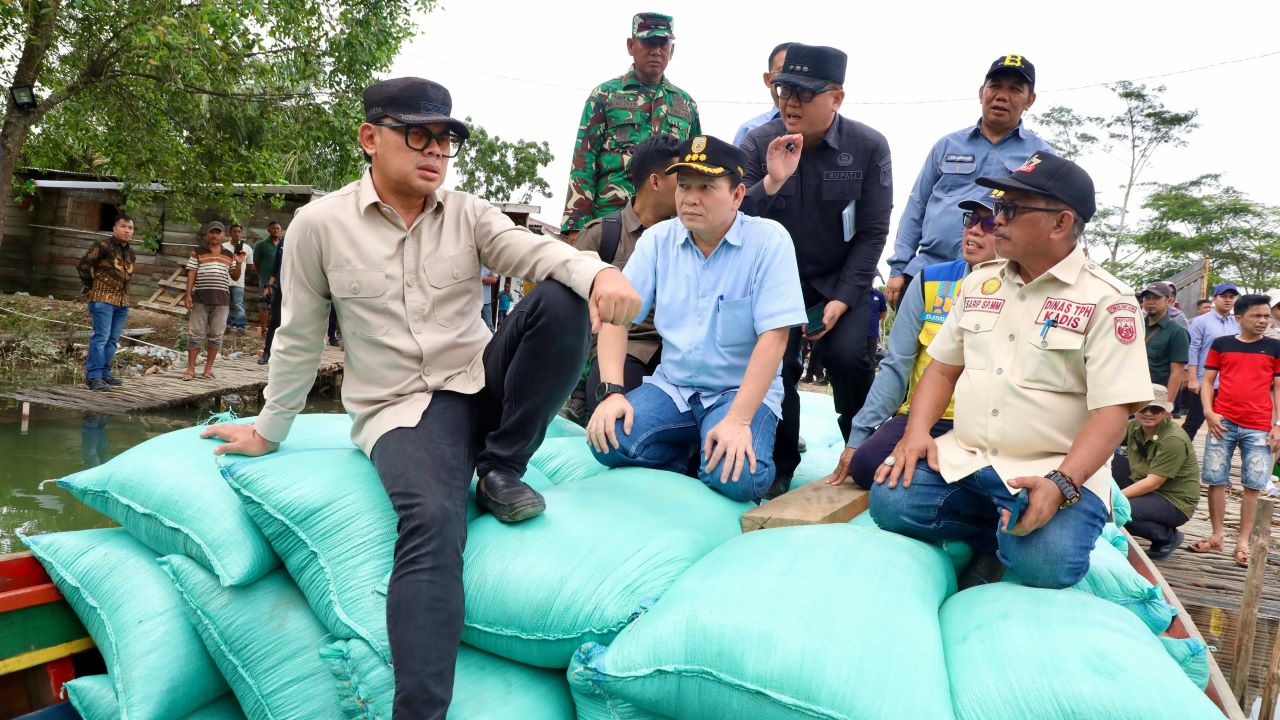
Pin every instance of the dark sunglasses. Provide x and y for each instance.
(1151, 410)
(419, 137)
(786, 91)
(662, 43)
(972, 218)
(1010, 210)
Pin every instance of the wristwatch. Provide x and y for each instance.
(604, 390)
(1067, 487)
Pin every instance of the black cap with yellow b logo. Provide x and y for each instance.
(1014, 65)
(709, 156)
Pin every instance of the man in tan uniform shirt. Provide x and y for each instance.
(1043, 352)
(399, 259)
(654, 201)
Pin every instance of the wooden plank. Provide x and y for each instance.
(38, 627)
(20, 570)
(1259, 544)
(813, 504)
(29, 597)
(44, 655)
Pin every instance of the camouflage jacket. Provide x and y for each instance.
(618, 115)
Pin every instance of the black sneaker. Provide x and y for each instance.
(264, 359)
(1162, 552)
(113, 381)
(982, 570)
(781, 484)
(98, 385)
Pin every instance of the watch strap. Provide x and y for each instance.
(1068, 488)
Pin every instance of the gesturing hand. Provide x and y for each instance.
(781, 162)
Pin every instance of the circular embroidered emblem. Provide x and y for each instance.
(844, 160)
(990, 285)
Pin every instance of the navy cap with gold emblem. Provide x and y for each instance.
(1014, 65)
(413, 101)
(812, 67)
(1047, 174)
(987, 201)
(649, 25)
(709, 156)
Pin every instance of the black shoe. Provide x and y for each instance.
(98, 385)
(575, 409)
(982, 570)
(822, 383)
(333, 341)
(1162, 552)
(781, 484)
(505, 495)
(113, 381)
(264, 359)
(802, 446)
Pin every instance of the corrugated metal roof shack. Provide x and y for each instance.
(45, 235)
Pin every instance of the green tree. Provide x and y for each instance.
(502, 171)
(196, 94)
(1204, 218)
(1071, 134)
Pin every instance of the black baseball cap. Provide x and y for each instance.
(414, 101)
(1016, 65)
(987, 201)
(1047, 174)
(812, 67)
(709, 156)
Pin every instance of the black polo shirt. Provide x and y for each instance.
(850, 165)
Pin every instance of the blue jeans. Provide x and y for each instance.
(486, 314)
(664, 438)
(108, 323)
(1255, 457)
(236, 317)
(1055, 556)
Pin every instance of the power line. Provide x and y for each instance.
(563, 86)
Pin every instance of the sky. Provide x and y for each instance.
(524, 70)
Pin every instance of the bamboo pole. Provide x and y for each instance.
(1259, 545)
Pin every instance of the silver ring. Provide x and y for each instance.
(889, 461)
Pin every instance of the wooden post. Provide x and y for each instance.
(26, 417)
(1272, 682)
(1259, 546)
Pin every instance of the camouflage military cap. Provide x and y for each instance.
(647, 25)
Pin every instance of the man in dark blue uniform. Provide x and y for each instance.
(828, 180)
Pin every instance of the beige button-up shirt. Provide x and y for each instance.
(408, 300)
(1037, 358)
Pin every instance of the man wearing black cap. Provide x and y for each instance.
(400, 258)
(1043, 352)
(929, 229)
(725, 293)
(828, 180)
(618, 115)
(1166, 341)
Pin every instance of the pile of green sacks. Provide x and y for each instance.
(256, 588)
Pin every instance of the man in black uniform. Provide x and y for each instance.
(829, 181)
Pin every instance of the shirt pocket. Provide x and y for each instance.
(842, 191)
(455, 281)
(1051, 362)
(956, 177)
(735, 322)
(623, 130)
(356, 293)
(976, 335)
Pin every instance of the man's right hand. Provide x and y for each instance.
(893, 291)
(908, 451)
(601, 428)
(1213, 421)
(240, 440)
(781, 162)
(841, 474)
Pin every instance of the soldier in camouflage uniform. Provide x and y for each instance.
(620, 113)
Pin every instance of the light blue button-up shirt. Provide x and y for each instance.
(753, 123)
(930, 229)
(711, 310)
(1204, 330)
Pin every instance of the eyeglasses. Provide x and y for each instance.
(419, 137)
(1010, 210)
(972, 218)
(1151, 410)
(785, 92)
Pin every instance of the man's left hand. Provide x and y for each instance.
(613, 300)
(830, 316)
(730, 441)
(1042, 503)
(1273, 439)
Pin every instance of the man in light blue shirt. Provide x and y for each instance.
(929, 230)
(775, 66)
(725, 291)
(1204, 330)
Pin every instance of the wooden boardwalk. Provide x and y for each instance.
(235, 376)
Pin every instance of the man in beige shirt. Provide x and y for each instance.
(399, 259)
(1043, 352)
(614, 237)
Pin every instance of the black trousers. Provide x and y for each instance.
(844, 353)
(872, 453)
(1195, 416)
(273, 324)
(633, 373)
(530, 365)
(1154, 518)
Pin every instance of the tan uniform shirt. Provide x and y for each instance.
(643, 341)
(408, 301)
(1026, 391)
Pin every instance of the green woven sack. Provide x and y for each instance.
(169, 493)
(606, 544)
(1019, 652)
(95, 699)
(156, 663)
(821, 621)
(264, 639)
(485, 687)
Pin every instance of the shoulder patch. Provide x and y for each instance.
(1122, 307)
